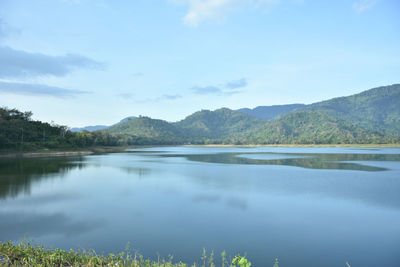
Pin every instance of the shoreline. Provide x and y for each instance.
(61, 153)
(303, 145)
(104, 150)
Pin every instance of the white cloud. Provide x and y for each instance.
(209, 10)
(364, 5)
(216, 10)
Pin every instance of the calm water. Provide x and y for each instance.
(306, 206)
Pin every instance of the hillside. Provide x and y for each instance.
(153, 130)
(377, 109)
(18, 130)
(218, 124)
(89, 128)
(99, 127)
(309, 128)
(271, 112)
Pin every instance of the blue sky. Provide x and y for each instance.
(87, 62)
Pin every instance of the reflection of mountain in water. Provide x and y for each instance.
(304, 160)
(17, 175)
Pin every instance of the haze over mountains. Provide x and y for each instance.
(99, 127)
(367, 117)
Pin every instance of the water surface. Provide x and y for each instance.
(307, 206)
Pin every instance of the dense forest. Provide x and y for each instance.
(371, 117)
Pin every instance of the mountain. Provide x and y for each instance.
(153, 130)
(377, 109)
(99, 127)
(372, 116)
(89, 128)
(305, 127)
(271, 112)
(218, 124)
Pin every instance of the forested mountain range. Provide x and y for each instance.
(271, 112)
(372, 116)
(377, 109)
(99, 127)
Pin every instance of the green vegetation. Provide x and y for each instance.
(312, 128)
(371, 117)
(216, 125)
(150, 131)
(241, 261)
(271, 112)
(376, 109)
(26, 254)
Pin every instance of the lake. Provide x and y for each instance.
(306, 206)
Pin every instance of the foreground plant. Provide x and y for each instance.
(241, 261)
(27, 254)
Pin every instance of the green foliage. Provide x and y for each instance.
(271, 112)
(375, 110)
(216, 125)
(150, 130)
(241, 261)
(276, 264)
(28, 254)
(18, 130)
(311, 128)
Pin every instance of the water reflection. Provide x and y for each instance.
(18, 224)
(158, 200)
(304, 160)
(18, 175)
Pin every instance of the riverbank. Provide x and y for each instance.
(26, 254)
(60, 152)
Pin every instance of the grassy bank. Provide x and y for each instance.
(26, 254)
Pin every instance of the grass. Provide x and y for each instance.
(27, 254)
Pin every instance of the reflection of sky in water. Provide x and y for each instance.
(172, 202)
(268, 156)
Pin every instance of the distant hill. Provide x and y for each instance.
(99, 127)
(89, 128)
(271, 112)
(372, 116)
(377, 109)
(305, 127)
(153, 130)
(217, 124)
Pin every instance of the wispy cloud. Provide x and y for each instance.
(21, 64)
(364, 5)
(236, 84)
(37, 90)
(138, 74)
(71, 1)
(125, 95)
(171, 97)
(216, 10)
(3, 32)
(160, 98)
(6, 30)
(208, 90)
